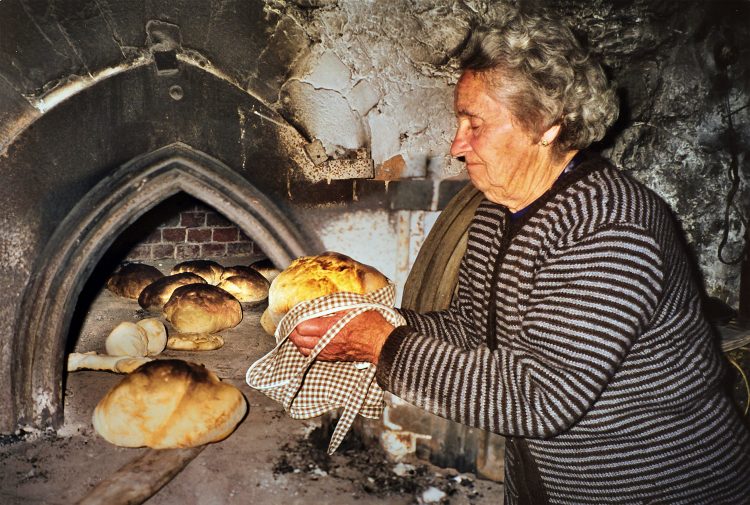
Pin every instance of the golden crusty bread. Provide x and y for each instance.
(310, 277)
(237, 270)
(249, 287)
(130, 278)
(155, 295)
(195, 342)
(266, 268)
(202, 308)
(169, 404)
(209, 270)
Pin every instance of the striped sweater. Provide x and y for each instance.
(576, 331)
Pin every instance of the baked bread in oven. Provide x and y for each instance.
(266, 268)
(130, 278)
(249, 287)
(93, 361)
(195, 342)
(237, 270)
(155, 295)
(143, 338)
(202, 308)
(169, 404)
(209, 270)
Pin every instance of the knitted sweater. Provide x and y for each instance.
(577, 331)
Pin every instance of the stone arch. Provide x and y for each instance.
(87, 232)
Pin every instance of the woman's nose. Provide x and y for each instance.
(460, 146)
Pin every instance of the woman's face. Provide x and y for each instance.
(502, 159)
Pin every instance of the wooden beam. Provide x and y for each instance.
(141, 478)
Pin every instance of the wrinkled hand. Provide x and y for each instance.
(360, 340)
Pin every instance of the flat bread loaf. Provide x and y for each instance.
(169, 404)
(248, 287)
(94, 361)
(155, 295)
(130, 278)
(209, 270)
(310, 277)
(195, 342)
(202, 308)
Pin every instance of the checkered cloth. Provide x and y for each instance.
(308, 388)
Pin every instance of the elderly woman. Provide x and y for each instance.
(576, 330)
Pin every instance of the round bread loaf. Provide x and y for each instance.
(249, 287)
(310, 277)
(202, 308)
(266, 268)
(237, 270)
(127, 339)
(155, 295)
(209, 270)
(169, 404)
(156, 333)
(130, 278)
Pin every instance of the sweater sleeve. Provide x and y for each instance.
(590, 301)
(450, 325)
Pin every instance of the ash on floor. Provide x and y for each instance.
(372, 474)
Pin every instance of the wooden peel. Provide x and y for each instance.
(141, 478)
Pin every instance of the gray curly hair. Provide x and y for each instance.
(546, 76)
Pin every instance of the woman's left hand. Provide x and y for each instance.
(360, 340)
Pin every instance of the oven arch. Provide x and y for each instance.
(82, 238)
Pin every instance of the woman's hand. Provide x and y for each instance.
(360, 340)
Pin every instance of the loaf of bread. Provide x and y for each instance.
(144, 338)
(93, 361)
(266, 268)
(169, 404)
(248, 287)
(310, 277)
(237, 270)
(130, 278)
(155, 295)
(156, 334)
(202, 308)
(195, 342)
(209, 270)
(127, 339)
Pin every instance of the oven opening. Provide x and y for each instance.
(106, 220)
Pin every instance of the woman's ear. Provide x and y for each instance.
(550, 135)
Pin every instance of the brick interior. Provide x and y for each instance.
(183, 228)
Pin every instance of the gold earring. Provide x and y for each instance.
(545, 142)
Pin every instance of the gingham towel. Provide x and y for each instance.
(308, 388)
